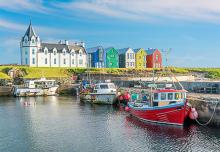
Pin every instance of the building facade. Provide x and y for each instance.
(111, 58)
(126, 58)
(154, 58)
(34, 53)
(95, 57)
(140, 58)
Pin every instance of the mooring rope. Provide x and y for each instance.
(205, 124)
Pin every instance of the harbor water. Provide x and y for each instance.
(64, 124)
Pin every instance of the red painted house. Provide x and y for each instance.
(154, 58)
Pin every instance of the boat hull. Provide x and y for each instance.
(99, 98)
(174, 115)
(27, 92)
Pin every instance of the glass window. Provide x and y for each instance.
(33, 41)
(177, 96)
(80, 61)
(127, 55)
(163, 96)
(72, 61)
(26, 53)
(104, 86)
(131, 55)
(26, 61)
(156, 96)
(33, 51)
(33, 60)
(112, 86)
(55, 53)
(72, 53)
(64, 61)
(170, 96)
(64, 53)
(54, 61)
(157, 57)
(45, 60)
(45, 52)
(80, 53)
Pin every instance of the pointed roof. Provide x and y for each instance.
(122, 51)
(151, 51)
(93, 49)
(30, 32)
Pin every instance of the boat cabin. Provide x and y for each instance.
(41, 83)
(168, 96)
(105, 88)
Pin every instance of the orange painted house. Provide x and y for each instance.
(154, 58)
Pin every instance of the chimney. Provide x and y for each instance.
(83, 44)
(66, 42)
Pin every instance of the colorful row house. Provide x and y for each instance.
(140, 58)
(98, 57)
(126, 58)
(154, 58)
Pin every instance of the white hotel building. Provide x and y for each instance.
(34, 53)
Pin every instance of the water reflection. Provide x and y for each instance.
(66, 124)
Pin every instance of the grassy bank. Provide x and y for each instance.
(38, 72)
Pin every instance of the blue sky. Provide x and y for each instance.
(190, 28)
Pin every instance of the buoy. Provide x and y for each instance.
(193, 114)
(127, 108)
(121, 98)
(127, 96)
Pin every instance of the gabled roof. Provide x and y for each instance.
(138, 49)
(151, 51)
(108, 48)
(60, 47)
(93, 49)
(30, 32)
(123, 51)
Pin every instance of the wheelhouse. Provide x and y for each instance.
(168, 96)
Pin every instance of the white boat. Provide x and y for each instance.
(101, 93)
(39, 87)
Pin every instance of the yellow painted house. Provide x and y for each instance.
(140, 55)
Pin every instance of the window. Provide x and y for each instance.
(45, 61)
(157, 57)
(127, 55)
(26, 61)
(100, 54)
(170, 96)
(33, 51)
(54, 52)
(72, 53)
(104, 86)
(55, 61)
(112, 56)
(33, 60)
(80, 61)
(131, 55)
(64, 61)
(163, 96)
(72, 61)
(64, 53)
(26, 53)
(110, 63)
(33, 41)
(127, 64)
(80, 53)
(45, 52)
(156, 96)
(177, 96)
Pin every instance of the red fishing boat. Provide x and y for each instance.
(166, 105)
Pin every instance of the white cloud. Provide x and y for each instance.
(24, 5)
(146, 10)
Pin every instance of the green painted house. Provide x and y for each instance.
(111, 58)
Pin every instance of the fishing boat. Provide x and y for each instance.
(100, 93)
(167, 106)
(39, 87)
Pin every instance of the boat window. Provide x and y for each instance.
(170, 96)
(177, 96)
(111, 86)
(155, 96)
(97, 87)
(104, 86)
(163, 96)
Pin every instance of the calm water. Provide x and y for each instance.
(65, 124)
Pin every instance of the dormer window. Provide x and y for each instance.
(33, 41)
(45, 51)
(54, 52)
(64, 52)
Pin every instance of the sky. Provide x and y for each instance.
(189, 29)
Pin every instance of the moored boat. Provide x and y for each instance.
(39, 87)
(100, 93)
(167, 106)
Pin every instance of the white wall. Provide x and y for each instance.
(130, 62)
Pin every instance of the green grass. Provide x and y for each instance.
(38, 72)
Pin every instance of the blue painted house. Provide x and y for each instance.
(96, 57)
